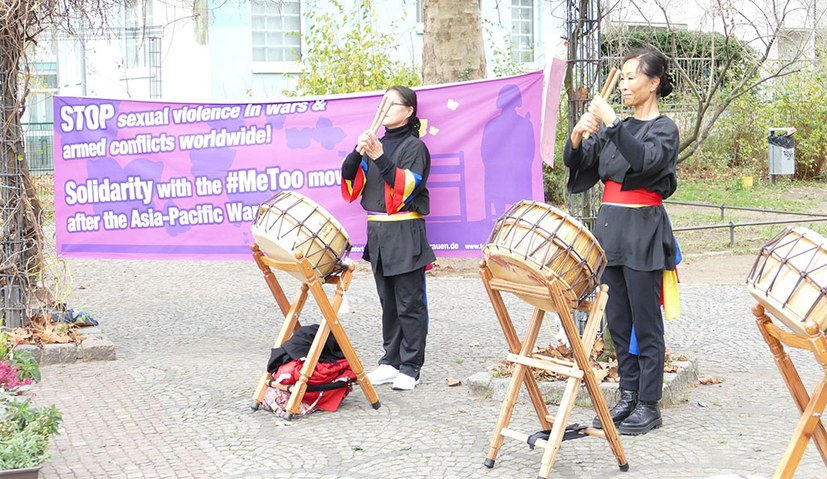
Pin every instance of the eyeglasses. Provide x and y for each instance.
(396, 103)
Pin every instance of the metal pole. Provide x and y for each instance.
(583, 19)
(12, 284)
(82, 43)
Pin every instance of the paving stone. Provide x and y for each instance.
(34, 351)
(192, 339)
(59, 353)
(97, 348)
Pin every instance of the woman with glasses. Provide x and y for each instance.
(390, 177)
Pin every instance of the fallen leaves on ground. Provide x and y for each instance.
(604, 370)
(708, 381)
(453, 381)
(42, 330)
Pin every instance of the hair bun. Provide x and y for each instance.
(666, 85)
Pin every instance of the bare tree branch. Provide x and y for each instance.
(757, 24)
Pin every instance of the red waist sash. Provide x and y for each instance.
(641, 197)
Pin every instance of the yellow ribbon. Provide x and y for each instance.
(671, 299)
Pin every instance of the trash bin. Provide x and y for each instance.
(781, 152)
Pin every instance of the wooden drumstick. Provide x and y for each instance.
(381, 113)
(608, 88)
(611, 81)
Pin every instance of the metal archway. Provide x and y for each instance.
(583, 77)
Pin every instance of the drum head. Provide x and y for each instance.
(789, 278)
(290, 224)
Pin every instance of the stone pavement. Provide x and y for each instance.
(193, 337)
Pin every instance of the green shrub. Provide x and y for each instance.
(21, 360)
(347, 53)
(799, 102)
(739, 139)
(554, 179)
(25, 431)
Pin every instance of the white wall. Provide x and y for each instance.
(222, 69)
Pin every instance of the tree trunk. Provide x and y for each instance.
(21, 257)
(452, 47)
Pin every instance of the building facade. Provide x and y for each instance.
(247, 50)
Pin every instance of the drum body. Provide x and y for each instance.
(789, 278)
(290, 223)
(535, 244)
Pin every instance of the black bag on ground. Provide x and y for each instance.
(298, 346)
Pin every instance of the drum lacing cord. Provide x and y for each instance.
(803, 275)
(278, 220)
(579, 263)
(567, 252)
(314, 235)
(769, 249)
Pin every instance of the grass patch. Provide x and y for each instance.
(782, 196)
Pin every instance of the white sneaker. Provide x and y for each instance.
(384, 374)
(403, 382)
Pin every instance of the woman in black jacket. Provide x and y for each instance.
(635, 158)
(391, 179)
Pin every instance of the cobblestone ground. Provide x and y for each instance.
(193, 337)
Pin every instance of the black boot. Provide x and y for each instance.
(621, 410)
(643, 419)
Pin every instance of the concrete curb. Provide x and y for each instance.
(94, 347)
(676, 387)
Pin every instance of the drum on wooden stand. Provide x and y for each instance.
(290, 223)
(535, 244)
(789, 278)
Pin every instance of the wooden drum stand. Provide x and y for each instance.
(331, 324)
(811, 408)
(553, 299)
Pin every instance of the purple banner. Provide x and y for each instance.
(151, 180)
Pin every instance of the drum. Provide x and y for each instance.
(535, 244)
(789, 278)
(290, 223)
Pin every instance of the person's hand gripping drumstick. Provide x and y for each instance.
(599, 109)
(367, 142)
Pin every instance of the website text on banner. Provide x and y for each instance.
(150, 180)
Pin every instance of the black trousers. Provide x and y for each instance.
(404, 319)
(634, 299)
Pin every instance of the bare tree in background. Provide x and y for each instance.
(760, 26)
(452, 48)
(22, 269)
